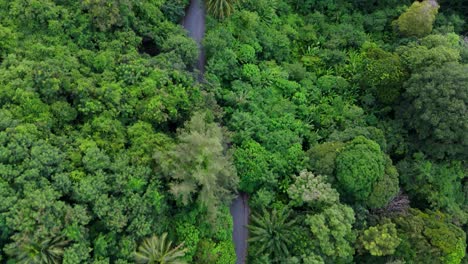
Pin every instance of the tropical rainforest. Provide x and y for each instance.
(344, 121)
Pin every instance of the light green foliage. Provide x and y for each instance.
(159, 250)
(210, 252)
(270, 233)
(251, 73)
(332, 232)
(358, 166)
(190, 234)
(225, 251)
(222, 253)
(430, 238)
(312, 191)
(246, 54)
(198, 166)
(144, 141)
(435, 107)
(417, 21)
(438, 184)
(380, 240)
(216, 244)
(205, 252)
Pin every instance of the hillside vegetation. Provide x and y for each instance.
(345, 121)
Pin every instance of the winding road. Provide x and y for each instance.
(194, 23)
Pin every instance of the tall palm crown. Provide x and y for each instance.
(272, 232)
(221, 8)
(47, 251)
(157, 250)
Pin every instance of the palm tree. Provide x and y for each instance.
(48, 251)
(157, 250)
(221, 8)
(272, 233)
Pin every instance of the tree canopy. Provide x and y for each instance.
(341, 124)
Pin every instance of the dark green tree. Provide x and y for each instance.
(435, 106)
(270, 233)
(382, 74)
(437, 185)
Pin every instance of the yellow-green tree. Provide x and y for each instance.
(418, 19)
(380, 240)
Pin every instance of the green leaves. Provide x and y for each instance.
(433, 50)
(380, 240)
(270, 233)
(418, 19)
(430, 238)
(435, 105)
(383, 73)
(439, 185)
(312, 191)
(157, 250)
(221, 8)
(332, 232)
(198, 165)
(358, 166)
(47, 251)
(252, 162)
(360, 170)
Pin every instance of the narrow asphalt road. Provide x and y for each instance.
(240, 212)
(194, 23)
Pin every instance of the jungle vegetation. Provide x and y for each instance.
(345, 122)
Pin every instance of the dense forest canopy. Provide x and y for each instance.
(345, 121)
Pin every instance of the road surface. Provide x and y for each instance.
(240, 215)
(194, 23)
